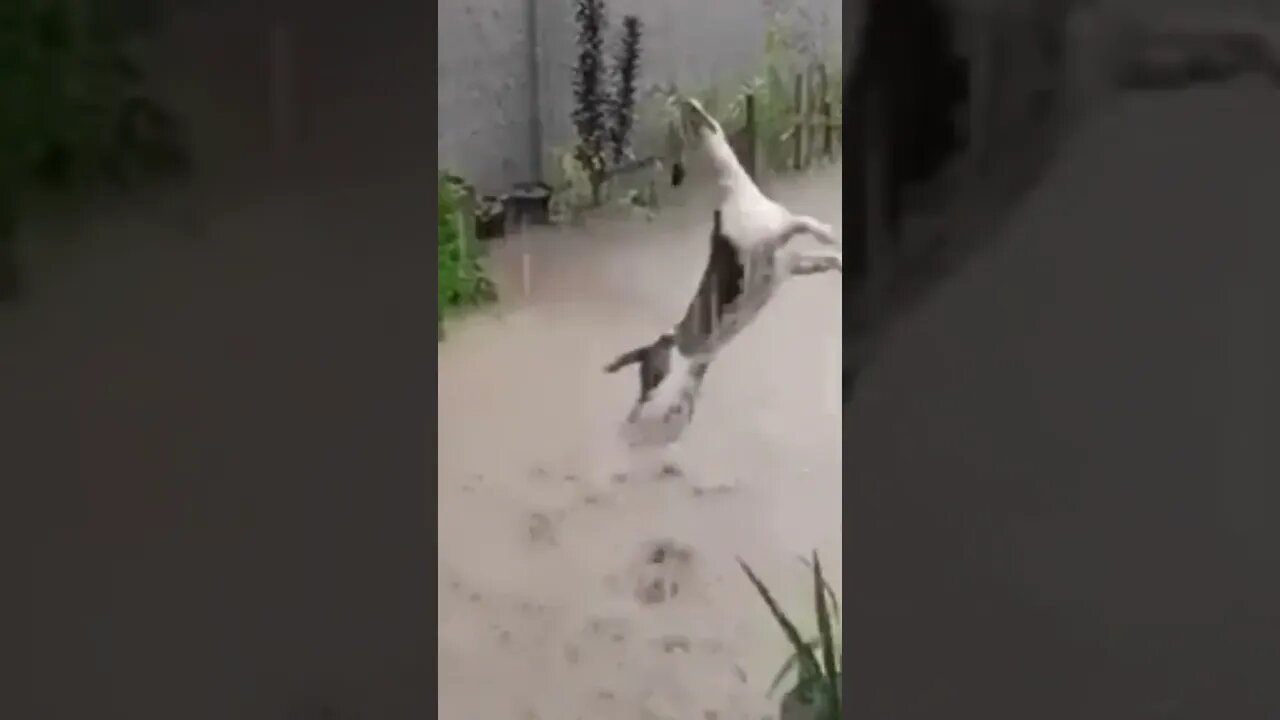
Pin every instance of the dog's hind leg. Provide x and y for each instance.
(814, 263)
(803, 224)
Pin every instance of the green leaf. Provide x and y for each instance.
(788, 666)
(808, 662)
(824, 629)
(831, 593)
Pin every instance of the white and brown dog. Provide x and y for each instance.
(747, 263)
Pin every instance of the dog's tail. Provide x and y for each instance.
(629, 357)
(638, 355)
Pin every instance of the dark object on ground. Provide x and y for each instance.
(677, 174)
(528, 203)
(488, 213)
(491, 218)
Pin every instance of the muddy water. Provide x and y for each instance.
(574, 579)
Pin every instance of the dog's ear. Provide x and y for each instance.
(627, 358)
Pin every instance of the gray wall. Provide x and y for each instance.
(484, 91)
(484, 68)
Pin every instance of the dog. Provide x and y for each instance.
(746, 265)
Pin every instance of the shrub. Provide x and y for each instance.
(815, 662)
(462, 280)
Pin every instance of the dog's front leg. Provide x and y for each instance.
(814, 263)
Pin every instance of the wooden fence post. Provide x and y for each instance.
(797, 160)
(828, 130)
(817, 108)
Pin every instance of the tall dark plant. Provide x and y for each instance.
(591, 99)
(626, 69)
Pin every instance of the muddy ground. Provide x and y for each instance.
(556, 543)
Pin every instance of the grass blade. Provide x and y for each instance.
(831, 593)
(824, 629)
(782, 674)
(808, 662)
(787, 667)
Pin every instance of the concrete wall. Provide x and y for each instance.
(483, 101)
(484, 68)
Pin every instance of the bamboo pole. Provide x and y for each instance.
(753, 141)
(797, 158)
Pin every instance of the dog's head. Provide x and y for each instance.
(693, 121)
(695, 117)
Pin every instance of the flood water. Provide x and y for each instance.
(548, 525)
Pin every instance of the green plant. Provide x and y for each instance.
(462, 280)
(575, 187)
(604, 108)
(576, 191)
(787, 51)
(815, 663)
(777, 117)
